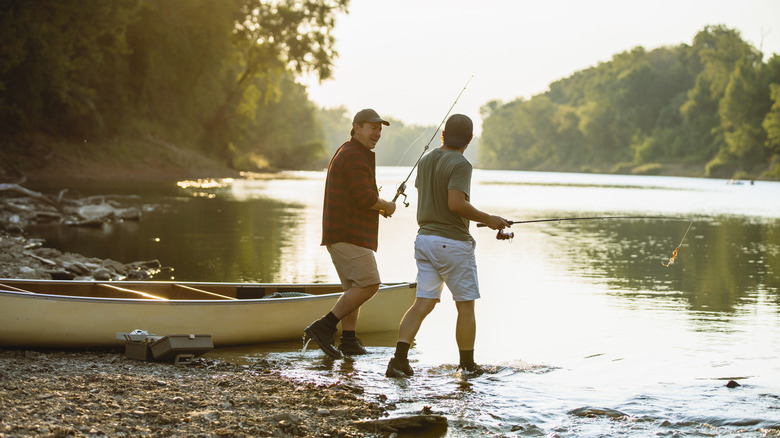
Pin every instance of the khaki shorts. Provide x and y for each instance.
(355, 265)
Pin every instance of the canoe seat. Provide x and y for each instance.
(204, 292)
(14, 289)
(131, 292)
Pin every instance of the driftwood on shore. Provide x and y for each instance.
(21, 206)
(432, 425)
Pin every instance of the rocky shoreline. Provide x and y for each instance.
(28, 258)
(88, 393)
(104, 393)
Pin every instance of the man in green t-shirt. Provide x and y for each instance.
(444, 248)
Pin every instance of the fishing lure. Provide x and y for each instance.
(671, 260)
(674, 255)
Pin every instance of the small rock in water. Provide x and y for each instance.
(732, 384)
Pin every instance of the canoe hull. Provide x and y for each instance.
(40, 320)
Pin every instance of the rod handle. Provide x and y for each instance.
(483, 225)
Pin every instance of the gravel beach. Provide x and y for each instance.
(104, 393)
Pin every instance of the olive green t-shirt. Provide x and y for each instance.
(438, 172)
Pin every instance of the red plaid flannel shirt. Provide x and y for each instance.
(350, 192)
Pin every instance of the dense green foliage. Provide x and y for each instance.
(217, 75)
(712, 105)
(221, 77)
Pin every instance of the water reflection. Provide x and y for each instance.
(576, 316)
(723, 263)
(268, 230)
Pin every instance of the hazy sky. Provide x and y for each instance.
(409, 59)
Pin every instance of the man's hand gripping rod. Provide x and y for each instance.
(402, 187)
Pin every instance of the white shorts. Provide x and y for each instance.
(443, 261)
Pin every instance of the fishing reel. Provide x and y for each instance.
(401, 192)
(505, 235)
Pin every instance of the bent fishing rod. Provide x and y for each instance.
(502, 235)
(402, 187)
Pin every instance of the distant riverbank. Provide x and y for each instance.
(41, 159)
(38, 158)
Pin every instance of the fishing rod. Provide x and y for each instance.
(402, 187)
(560, 219)
(502, 235)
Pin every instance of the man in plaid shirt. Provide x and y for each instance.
(350, 229)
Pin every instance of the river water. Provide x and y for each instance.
(583, 330)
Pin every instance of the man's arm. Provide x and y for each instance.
(457, 203)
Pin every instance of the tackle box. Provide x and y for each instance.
(181, 349)
(137, 344)
(138, 350)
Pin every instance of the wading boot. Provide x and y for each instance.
(471, 370)
(399, 368)
(323, 335)
(351, 346)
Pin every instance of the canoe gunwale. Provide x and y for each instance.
(215, 302)
(210, 302)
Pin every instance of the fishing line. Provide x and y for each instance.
(502, 235)
(410, 147)
(402, 187)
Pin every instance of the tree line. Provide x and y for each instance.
(712, 105)
(216, 76)
(223, 78)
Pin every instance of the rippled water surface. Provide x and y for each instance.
(583, 330)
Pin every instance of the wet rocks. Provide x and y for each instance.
(20, 207)
(28, 259)
(22, 257)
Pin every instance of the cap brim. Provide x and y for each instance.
(377, 120)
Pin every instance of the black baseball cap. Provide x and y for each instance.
(458, 130)
(369, 115)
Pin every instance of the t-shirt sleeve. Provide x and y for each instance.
(461, 178)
